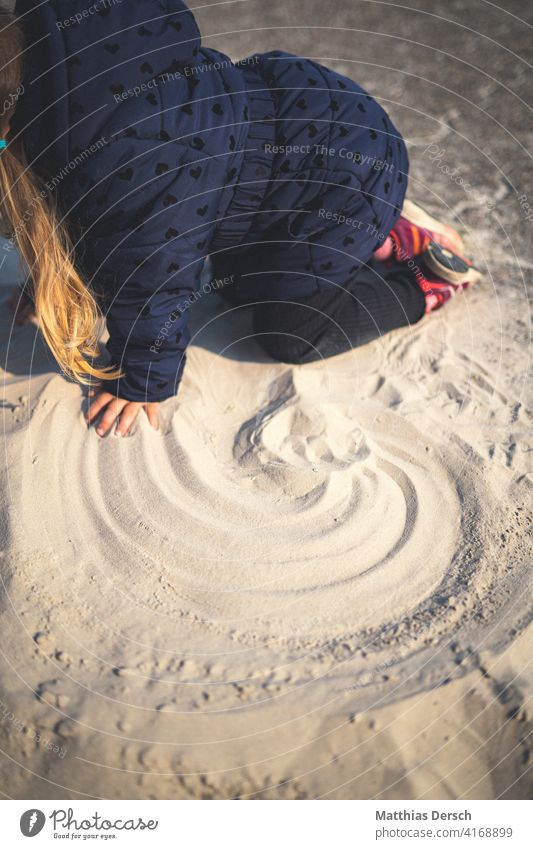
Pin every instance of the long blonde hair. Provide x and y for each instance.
(67, 311)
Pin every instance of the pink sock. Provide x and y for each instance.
(385, 251)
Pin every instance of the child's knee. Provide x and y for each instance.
(283, 340)
(286, 348)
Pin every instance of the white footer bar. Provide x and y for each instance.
(268, 825)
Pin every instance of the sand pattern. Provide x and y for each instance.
(314, 581)
(299, 545)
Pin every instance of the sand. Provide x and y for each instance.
(314, 581)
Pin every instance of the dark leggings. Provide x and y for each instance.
(302, 330)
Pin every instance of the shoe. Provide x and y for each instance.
(409, 240)
(437, 231)
(438, 289)
(413, 232)
(444, 263)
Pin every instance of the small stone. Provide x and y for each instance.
(65, 728)
(123, 671)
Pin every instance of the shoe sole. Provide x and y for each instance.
(473, 277)
(464, 275)
(445, 264)
(420, 218)
(469, 278)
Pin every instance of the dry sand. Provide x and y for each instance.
(315, 581)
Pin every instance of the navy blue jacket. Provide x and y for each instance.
(161, 152)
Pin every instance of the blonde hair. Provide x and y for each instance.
(67, 311)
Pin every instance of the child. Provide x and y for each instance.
(159, 152)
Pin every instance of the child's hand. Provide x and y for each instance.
(114, 408)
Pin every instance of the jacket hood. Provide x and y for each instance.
(80, 54)
(159, 32)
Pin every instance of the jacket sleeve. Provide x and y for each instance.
(151, 242)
